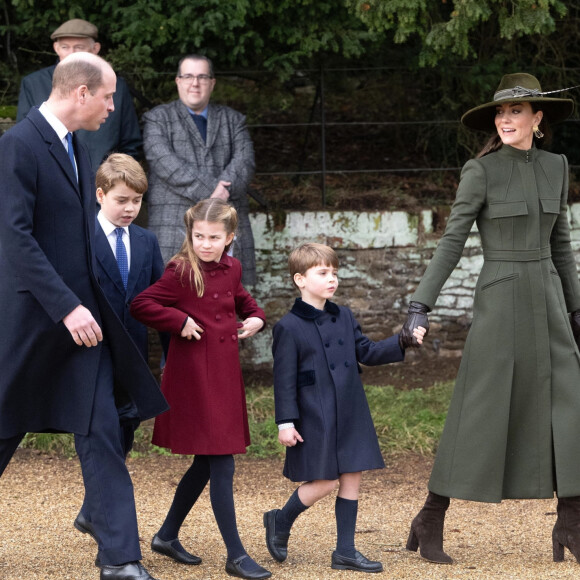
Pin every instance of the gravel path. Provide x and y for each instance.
(40, 497)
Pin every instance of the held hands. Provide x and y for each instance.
(575, 322)
(221, 190)
(191, 329)
(250, 326)
(416, 328)
(289, 437)
(83, 327)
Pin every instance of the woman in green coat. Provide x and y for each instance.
(513, 425)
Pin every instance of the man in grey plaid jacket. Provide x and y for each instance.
(197, 150)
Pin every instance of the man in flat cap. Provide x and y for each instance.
(121, 132)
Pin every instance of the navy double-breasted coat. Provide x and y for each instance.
(317, 386)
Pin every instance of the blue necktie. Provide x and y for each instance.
(201, 123)
(71, 152)
(122, 260)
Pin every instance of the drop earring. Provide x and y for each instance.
(537, 132)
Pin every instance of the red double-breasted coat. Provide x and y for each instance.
(202, 379)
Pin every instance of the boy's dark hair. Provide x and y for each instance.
(119, 167)
(311, 254)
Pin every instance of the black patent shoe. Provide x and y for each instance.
(359, 563)
(129, 571)
(234, 568)
(85, 527)
(277, 544)
(167, 549)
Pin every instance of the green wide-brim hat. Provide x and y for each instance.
(520, 87)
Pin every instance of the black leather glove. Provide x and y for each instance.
(417, 316)
(575, 322)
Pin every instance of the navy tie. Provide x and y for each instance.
(122, 260)
(201, 123)
(71, 152)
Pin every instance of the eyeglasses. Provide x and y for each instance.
(189, 79)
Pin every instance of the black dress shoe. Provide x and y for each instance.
(166, 548)
(234, 568)
(129, 571)
(358, 563)
(277, 544)
(84, 526)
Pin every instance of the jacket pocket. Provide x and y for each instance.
(503, 209)
(507, 278)
(550, 205)
(306, 378)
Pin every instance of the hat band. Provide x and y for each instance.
(518, 92)
(515, 93)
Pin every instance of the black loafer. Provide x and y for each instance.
(233, 568)
(129, 571)
(359, 563)
(166, 548)
(84, 526)
(277, 544)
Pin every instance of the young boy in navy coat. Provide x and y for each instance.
(322, 413)
(128, 261)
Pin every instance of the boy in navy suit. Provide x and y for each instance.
(322, 412)
(128, 261)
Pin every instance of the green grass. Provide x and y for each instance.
(406, 421)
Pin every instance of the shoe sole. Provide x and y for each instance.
(175, 559)
(354, 569)
(276, 557)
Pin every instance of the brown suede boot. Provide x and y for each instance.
(427, 530)
(566, 532)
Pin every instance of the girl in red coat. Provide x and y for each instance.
(198, 300)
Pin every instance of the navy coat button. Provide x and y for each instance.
(340, 341)
(319, 322)
(333, 319)
(346, 363)
(331, 366)
(327, 344)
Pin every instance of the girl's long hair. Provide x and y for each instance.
(212, 210)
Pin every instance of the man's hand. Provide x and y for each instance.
(289, 437)
(191, 330)
(250, 326)
(221, 190)
(83, 327)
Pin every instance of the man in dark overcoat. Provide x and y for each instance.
(61, 346)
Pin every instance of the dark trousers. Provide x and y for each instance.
(108, 487)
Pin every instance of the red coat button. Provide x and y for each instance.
(216, 296)
(234, 337)
(218, 316)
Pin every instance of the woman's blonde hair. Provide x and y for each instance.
(212, 210)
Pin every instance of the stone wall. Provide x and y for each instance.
(382, 258)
